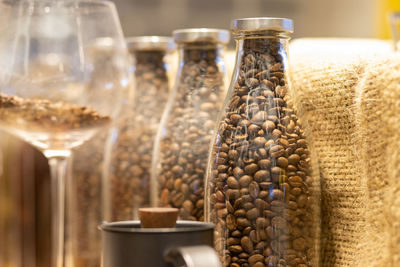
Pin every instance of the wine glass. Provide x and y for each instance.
(64, 74)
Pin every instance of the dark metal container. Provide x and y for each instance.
(189, 244)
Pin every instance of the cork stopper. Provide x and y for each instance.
(158, 217)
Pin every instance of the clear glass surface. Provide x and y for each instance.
(186, 128)
(110, 172)
(262, 191)
(131, 155)
(54, 93)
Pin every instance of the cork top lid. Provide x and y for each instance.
(263, 23)
(201, 35)
(158, 217)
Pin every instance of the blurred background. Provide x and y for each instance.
(322, 18)
(24, 174)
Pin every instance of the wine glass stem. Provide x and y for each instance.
(58, 167)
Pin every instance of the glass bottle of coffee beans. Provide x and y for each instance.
(260, 191)
(111, 172)
(131, 154)
(188, 122)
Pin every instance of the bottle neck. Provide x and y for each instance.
(154, 58)
(266, 45)
(267, 34)
(201, 71)
(197, 52)
(261, 65)
(151, 70)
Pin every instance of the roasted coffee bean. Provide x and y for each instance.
(178, 199)
(276, 173)
(261, 204)
(240, 213)
(253, 129)
(232, 182)
(232, 194)
(238, 172)
(255, 259)
(266, 84)
(295, 191)
(295, 181)
(260, 141)
(282, 162)
(261, 223)
(277, 194)
(299, 151)
(283, 142)
(262, 176)
(235, 249)
(252, 82)
(247, 244)
(254, 189)
(244, 181)
(294, 159)
(268, 126)
(231, 222)
(251, 168)
(267, 166)
(301, 143)
(251, 73)
(234, 155)
(233, 241)
(236, 233)
(221, 168)
(280, 91)
(264, 164)
(260, 117)
(235, 118)
(302, 201)
(243, 222)
(248, 205)
(246, 231)
(276, 134)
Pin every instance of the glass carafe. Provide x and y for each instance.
(260, 189)
(188, 122)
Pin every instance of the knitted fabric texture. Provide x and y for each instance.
(347, 93)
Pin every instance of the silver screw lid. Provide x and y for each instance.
(263, 23)
(201, 34)
(150, 43)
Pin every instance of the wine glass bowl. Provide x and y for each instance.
(55, 104)
(59, 111)
(64, 75)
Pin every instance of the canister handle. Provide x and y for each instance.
(193, 256)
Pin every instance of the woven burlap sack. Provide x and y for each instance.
(348, 94)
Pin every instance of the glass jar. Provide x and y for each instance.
(132, 151)
(85, 189)
(110, 171)
(188, 122)
(260, 191)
